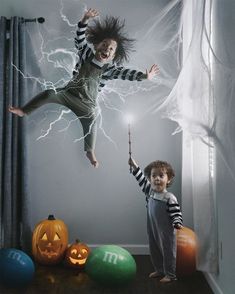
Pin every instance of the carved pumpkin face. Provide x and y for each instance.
(50, 240)
(76, 254)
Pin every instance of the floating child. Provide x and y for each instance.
(97, 64)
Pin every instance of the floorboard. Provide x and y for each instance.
(53, 280)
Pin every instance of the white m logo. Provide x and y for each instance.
(14, 255)
(110, 257)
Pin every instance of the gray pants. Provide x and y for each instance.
(162, 238)
(85, 114)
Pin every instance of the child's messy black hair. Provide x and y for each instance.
(161, 165)
(111, 28)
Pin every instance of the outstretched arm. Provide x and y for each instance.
(141, 179)
(84, 50)
(123, 73)
(80, 39)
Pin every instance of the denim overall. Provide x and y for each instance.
(162, 237)
(79, 95)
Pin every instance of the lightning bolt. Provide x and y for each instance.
(64, 17)
(52, 123)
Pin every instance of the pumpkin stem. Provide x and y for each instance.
(51, 217)
(77, 241)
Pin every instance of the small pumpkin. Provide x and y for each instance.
(76, 255)
(50, 240)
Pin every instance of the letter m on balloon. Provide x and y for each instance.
(110, 257)
(14, 255)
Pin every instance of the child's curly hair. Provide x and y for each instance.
(111, 28)
(160, 165)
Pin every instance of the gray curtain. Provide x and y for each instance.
(14, 198)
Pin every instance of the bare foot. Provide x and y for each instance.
(155, 275)
(91, 156)
(167, 280)
(16, 110)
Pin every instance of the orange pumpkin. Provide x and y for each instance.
(76, 255)
(50, 240)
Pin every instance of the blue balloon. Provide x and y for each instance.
(16, 268)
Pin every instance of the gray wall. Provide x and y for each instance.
(103, 205)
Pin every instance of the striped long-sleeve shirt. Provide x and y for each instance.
(111, 71)
(172, 206)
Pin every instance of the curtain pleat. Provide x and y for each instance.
(15, 204)
(26, 231)
(2, 115)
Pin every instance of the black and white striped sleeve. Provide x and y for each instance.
(174, 211)
(123, 73)
(80, 38)
(84, 50)
(142, 180)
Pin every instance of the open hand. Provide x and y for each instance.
(91, 13)
(152, 72)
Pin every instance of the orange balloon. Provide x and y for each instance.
(187, 247)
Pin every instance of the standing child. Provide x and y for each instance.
(96, 65)
(163, 217)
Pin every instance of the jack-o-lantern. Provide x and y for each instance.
(76, 255)
(50, 240)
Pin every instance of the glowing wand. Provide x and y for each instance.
(129, 119)
(129, 136)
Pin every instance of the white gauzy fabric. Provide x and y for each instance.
(194, 110)
(191, 103)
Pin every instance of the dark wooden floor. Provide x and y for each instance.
(53, 280)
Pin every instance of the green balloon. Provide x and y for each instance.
(110, 265)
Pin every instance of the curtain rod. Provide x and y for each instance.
(39, 19)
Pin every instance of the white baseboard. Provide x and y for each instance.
(211, 281)
(134, 249)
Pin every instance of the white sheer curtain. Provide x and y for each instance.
(194, 90)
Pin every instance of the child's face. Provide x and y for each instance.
(159, 179)
(105, 50)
